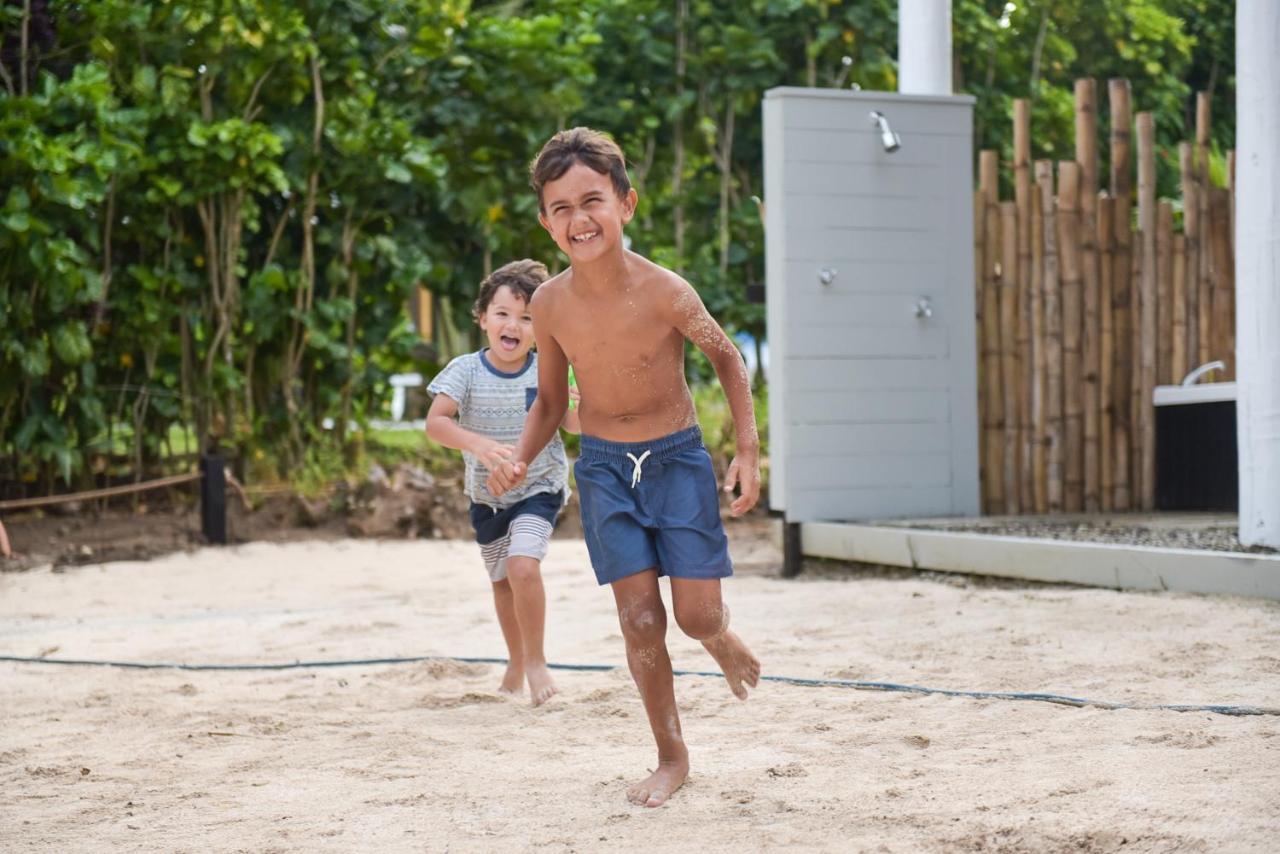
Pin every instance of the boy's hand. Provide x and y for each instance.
(743, 473)
(505, 476)
(575, 397)
(492, 454)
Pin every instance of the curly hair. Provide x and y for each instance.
(522, 277)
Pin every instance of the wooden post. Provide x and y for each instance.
(792, 549)
(1087, 156)
(1122, 325)
(1204, 287)
(1135, 374)
(1072, 323)
(1147, 294)
(1026, 378)
(213, 499)
(1178, 355)
(1222, 274)
(1106, 346)
(1010, 362)
(1191, 228)
(1039, 426)
(1164, 294)
(1052, 300)
(992, 400)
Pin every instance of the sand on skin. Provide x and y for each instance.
(429, 757)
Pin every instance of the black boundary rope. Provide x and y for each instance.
(1059, 699)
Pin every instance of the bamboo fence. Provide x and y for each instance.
(1084, 308)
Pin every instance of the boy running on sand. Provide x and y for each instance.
(647, 489)
(489, 393)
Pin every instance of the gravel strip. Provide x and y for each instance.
(1218, 538)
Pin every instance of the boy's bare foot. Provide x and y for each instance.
(541, 686)
(654, 790)
(737, 662)
(512, 681)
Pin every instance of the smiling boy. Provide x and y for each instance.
(648, 493)
(479, 407)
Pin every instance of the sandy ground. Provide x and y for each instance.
(427, 757)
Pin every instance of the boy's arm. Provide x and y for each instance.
(442, 427)
(696, 323)
(548, 409)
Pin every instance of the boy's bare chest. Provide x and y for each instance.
(629, 337)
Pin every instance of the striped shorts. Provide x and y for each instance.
(527, 536)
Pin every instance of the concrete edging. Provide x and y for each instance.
(1095, 564)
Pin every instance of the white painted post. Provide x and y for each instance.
(1258, 269)
(924, 47)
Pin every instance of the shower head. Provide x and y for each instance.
(888, 138)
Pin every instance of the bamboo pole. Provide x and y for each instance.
(1147, 294)
(1039, 429)
(1135, 373)
(1178, 356)
(1072, 312)
(1222, 270)
(1121, 296)
(1191, 228)
(1026, 378)
(1106, 346)
(1086, 98)
(1010, 362)
(992, 401)
(1231, 188)
(1052, 301)
(1164, 294)
(1204, 289)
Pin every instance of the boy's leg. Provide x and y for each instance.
(525, 575)
(529, 537)
(702, 615)
(504, 604)
(643, 619)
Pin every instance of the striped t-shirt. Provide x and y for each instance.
(494, 404)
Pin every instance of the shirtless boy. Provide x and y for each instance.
(647, 488)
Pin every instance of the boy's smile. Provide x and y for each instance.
(584, 214)
(509, 327)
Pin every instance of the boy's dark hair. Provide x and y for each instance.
(523, 277)
(579, 145)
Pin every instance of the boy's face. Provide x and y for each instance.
(509, 327)
(584, 214)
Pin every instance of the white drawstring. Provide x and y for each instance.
(639, 461)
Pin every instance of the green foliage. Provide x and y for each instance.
(212, 213)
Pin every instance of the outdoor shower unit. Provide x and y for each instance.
(870, 307)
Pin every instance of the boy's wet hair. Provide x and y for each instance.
(522, 277)
(579, 145)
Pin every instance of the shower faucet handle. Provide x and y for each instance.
(924, 308)
(827, 275)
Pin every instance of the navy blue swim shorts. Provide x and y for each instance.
(651, 504)
(491, 523)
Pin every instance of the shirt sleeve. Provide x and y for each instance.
(454, 380)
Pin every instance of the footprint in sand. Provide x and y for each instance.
(468, 699)
(791, 769)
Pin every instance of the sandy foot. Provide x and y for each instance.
(541, 685)
(737, 662)
(654, 790)
(512, 681)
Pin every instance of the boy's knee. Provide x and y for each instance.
(522, 569)
(644, 624)
(704, 621)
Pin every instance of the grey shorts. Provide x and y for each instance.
(527, 536)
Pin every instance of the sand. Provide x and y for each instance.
(428, 757)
